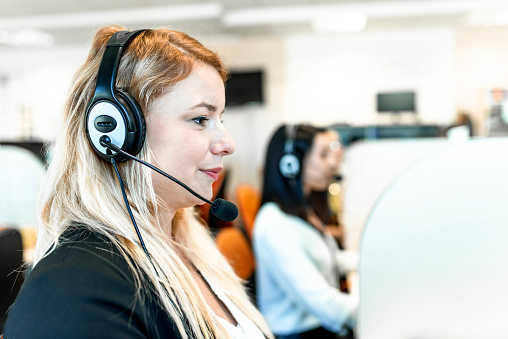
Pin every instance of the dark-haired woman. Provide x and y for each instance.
(298, 261)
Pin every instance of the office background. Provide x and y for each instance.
(322, 62)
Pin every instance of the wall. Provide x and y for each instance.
(34, 90)
(335, 78)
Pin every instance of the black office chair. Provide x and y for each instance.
(11, 260)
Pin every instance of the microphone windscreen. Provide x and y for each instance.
(224, 210)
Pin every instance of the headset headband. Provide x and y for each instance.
(106, 77)
(290, 133)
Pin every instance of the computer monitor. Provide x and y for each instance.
(244, 88)
(396, 102)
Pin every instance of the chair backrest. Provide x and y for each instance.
(433, 257)
(21, 173)
(233, 245)
(248, 198)
(11, 260)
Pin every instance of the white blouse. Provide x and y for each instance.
(245, 328)
(297, 277)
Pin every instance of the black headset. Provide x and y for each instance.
(112, 112)
(289, 164)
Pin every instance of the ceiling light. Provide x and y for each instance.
(26, 37)
(487, 18)
(160, 14)
(279, 15)
(341, 22)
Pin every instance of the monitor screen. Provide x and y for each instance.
(244, 87)
(396, 102)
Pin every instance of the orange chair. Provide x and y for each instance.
(233, 245)
(249, 200)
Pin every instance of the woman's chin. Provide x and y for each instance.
(207, 194)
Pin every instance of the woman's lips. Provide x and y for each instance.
(212, 172)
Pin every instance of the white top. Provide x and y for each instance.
(297, 287)
(245, 328)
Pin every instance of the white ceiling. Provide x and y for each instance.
(71, 21)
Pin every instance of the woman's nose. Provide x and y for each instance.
(336, 159)
(224, 144)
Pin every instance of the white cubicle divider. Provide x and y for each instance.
(434, 251)
(21, 175)
(369, 167)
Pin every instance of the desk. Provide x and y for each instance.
(350, 134)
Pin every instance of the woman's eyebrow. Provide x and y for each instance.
(208, 106)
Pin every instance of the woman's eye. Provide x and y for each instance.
(200, 120)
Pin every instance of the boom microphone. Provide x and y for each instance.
(222, 209)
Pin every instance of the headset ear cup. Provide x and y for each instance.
(112, 112)
(136, 123)
(105, 118)
(289, 166)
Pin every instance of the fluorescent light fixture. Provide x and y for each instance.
(340, 22)
(266, 16)
(26, 37)
(167, 14)
(487, 18)
(278, 15)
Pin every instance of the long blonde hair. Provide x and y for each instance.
(81, 187)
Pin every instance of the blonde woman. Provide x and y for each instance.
(93, 275)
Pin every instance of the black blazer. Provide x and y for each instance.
(85, 289)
